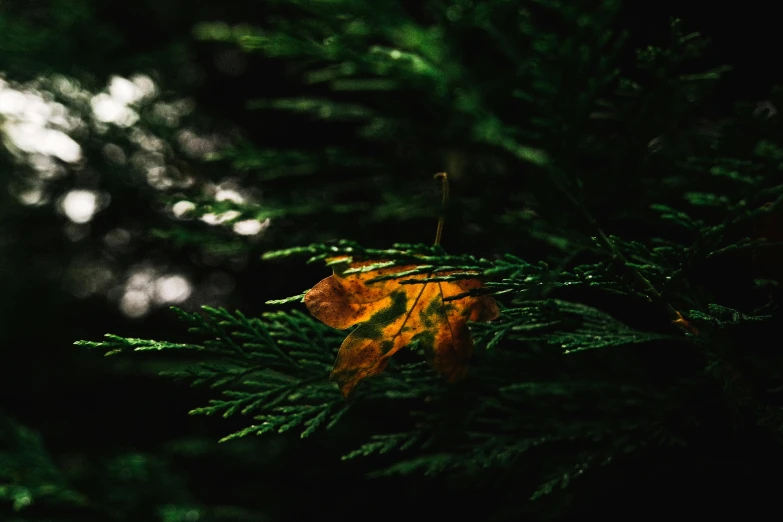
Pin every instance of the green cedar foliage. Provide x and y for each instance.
(132, 485)
(653, 285)
(27, 473)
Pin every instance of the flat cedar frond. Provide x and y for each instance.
(274, 369)
(264, 367)
(570, 326)
(503, 275)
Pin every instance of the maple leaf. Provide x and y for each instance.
(391, 315)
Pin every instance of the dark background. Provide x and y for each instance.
(90, 411)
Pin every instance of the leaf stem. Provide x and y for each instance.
(444, 183)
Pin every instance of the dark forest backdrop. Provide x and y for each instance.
(150, 100)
